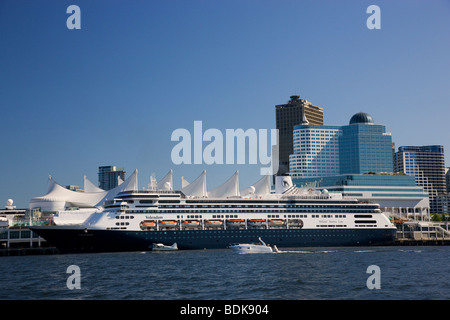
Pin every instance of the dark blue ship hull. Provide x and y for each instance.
(68, 239)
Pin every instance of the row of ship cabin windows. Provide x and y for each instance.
(124, 217)
(175, 205)
(218, 216)
(268, 206)
(241, 211)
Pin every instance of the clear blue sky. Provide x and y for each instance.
(113, 92)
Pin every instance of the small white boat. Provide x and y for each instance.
(162, 247)
(261, 247)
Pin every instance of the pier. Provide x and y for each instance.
(23, 241)
(422, 242)
(420, 233)
(28, 251)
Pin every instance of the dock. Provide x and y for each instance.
(422, 233)
(22, 241)
(28, 251)
(422, 242)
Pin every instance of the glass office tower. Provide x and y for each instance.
(316, 151)
(357, 161)
(110, 177)
(358, 148)
(365, 147)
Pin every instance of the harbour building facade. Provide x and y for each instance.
(427, 165)
(288, 116)
(357, 161)
(397, 194)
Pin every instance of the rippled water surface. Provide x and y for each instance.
(324, 273)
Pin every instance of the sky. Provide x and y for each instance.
(113, 92)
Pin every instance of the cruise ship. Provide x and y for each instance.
(134, 220)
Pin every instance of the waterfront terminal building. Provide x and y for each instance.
(356, 160)
(397, 194)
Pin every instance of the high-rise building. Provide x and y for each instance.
(365, 147)
(287, 117)
(442, 203)
(316, 151)
(110, 177)
(447, 179)
(426, 164)
(358, 148)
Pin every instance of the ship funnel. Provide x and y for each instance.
(283, 184)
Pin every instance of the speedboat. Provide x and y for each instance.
(261, 247)
(162, 247)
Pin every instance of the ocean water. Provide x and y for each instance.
(416, 273)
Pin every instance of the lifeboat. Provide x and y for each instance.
(147, 224)
(296, 223)
(236, 222)
(190, 223)
(276, 222)
(213, 223)
(255, 222)
(168, 223)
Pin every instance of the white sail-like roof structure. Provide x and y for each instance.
(58, 197)
(166, 183)
(90, 187)
(184, 182)
(197, 188)
(228, 189)
(261, 187)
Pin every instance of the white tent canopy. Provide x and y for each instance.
(261, 187)
(166, 183)
(228, 189)
(184, 182)
(58, 197)
(90, 187)
(197, 188)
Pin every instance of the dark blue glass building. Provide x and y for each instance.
(365, 147)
